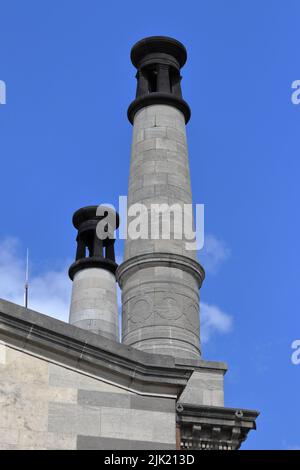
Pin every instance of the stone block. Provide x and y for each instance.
(8, 436)
(24, 414)
(153, 155)
(106, 399)
(139, 135)
(176, 135)
(67, 378)
(145, 145)
(23, 368)
(76, 419)
(140, 402)
(152, 180)
(61, 441)
(130, 424)
(165, 144)
(155, 132)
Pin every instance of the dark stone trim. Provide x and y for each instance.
(213, 427)
(217, 412)
(158, 98)
(92, 262)
(87, 352)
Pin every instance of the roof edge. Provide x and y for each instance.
(39, 334)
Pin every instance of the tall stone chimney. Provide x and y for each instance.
(160, 278)
(94, 298)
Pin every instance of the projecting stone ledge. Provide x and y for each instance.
(212, 427)
(86, 352)
(76, 380)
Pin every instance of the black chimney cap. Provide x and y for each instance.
(89, 212)
(158, 44)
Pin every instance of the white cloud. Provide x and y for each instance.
(213, 320)
(49, 291)
(213, 254)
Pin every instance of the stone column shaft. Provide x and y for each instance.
(94, 295)
(94, 302)
(160, 291)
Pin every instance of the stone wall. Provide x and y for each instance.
(44, 405)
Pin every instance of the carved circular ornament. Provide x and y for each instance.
(169, 308)
(140, 311)
(192, 316)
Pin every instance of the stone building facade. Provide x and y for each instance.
(75, 386)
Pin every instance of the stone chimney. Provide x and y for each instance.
(160, 278)
(94, 298)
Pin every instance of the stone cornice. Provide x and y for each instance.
(212, 427)
(161, 259)
(92, 354)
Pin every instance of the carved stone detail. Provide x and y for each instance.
(192, 315)
(168, 307)
(140, 310)
(212, 427)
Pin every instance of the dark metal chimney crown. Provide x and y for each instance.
(93, 252)
(158, 60)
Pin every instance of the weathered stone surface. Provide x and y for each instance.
(61, 441)
(131, 424)
(70, 379)
(47, 406)
(78, 419)
(8, 436)
(2, 353)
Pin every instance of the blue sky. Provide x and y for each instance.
(65, 143)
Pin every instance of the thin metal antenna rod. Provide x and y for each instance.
(26, 280)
